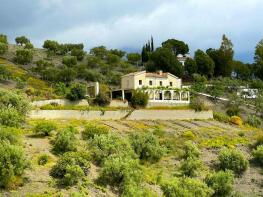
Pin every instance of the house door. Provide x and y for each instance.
(161, 96)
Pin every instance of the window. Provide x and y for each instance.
(140, 82)
(150, 83)
(161, 83)
(171, 83)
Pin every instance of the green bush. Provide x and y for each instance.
(76, 92)
(221, 182)
(91, 130)
(232, 160)
(29, 46)
(253, 121)
(190, 150)
(133, 189)
(184, 187)
(191, 166)
(65, 141)
(102, 99)
(3, 48)
(4, 73)
(233, 111)
(259, 140)
(10, 135)
(147, 146)
(197, 104)
(139, 99)
(258, 154)
(43, 159)
(9, 116)
(71, 167)
(69, 60)
(121, 171)
(79, 53)
(221, 117)
(12, 163)
(103, 146)
(23, 56)
(44, 128)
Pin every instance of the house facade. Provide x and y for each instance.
(163, 88)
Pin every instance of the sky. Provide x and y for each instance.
(128, 24)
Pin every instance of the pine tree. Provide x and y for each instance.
(152, 45)
(145, 56)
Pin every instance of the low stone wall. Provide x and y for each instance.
(76, 114)
(60, 102)
(119, 103)
(169, 115)
(117, 115)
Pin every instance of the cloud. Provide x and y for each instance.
(129, 23)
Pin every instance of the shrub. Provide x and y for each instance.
(14, 99)
(190, 150)
(258, 154)
(65, 141)
(221, 182)
(23, 56)
(76, 92)
(191, 166)
(44, 128)
(253, 121)
(12, 163)
(232, 160)
(3, 48)
(61, 89)
(71, 167)
(221, 117)
(43, 159)
(5, 74)
(121, 171)
(9, 135)
(10, 117)
(233, 111)
(91, 130)
(69, 60)
(147, 146)
(189, 135)
(102, 146)
(184, 187)
(139, 99)
(79, 53)
(197, 104)
(259, 140)
(236, 120)
(102, 99)
(29, 46)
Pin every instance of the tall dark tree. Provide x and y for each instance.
(242, 70)
(259, 60)
(177, 46)
(190, 66)
(152, 44)
(145, 55)
(223, 58)
(204, 63)
(164, 59)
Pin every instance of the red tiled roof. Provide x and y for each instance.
(163, 75)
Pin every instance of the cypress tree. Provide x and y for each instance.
(152, 45)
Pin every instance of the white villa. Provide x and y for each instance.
(163, 88)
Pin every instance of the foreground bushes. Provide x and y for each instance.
(71, 167)
(12, 163)
(91, 130)
(258, 154)
(103, 146)
(221, 182)
(198, 104)
(65, 141)
(232, 160)
(44, 128)
(139, 99)
(9, 135)
(147, 146)
(184, 187)
(13, 108)
(253, 121)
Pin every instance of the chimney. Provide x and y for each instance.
(160, 72)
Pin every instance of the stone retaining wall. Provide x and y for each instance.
(170, 115)
(117, 115)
